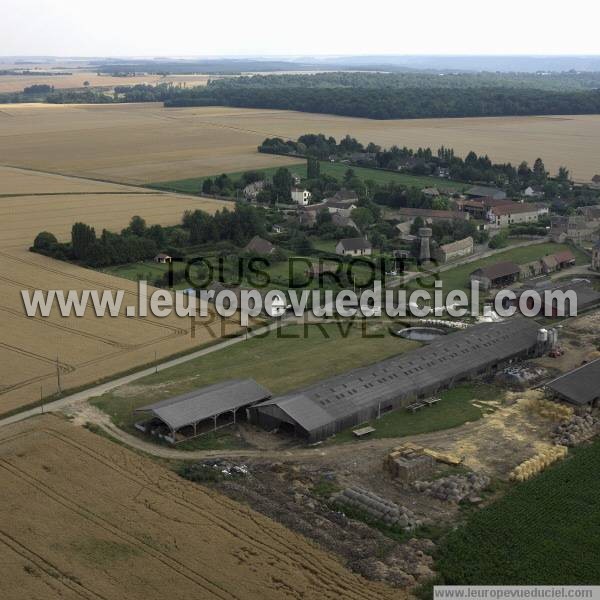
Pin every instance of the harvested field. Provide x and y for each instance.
(88, 348)
(135, 530)
(16, 83)
(143, 143)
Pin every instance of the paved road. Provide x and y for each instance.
(110, 385)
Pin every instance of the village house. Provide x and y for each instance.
(354, 247)
(454, 250)
(163, 258)
(341, 207)
(301, 196)
(258, 245)
(252, 190)
(576, 229)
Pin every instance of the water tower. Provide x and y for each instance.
(425, 252)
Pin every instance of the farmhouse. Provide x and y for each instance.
(301, 196)
(163, 258)
(496, 275)
(454, 250)
(480, 191)
(576, 229)
(340, 207)
(353, 247)
(515, 212)
(258, 245)
(344, 401)
(580, 387)
(201, 411)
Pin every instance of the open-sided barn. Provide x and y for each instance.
(203, 410)
(346, 400)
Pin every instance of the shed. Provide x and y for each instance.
(580, 387)
(500, 273)
(202, 410)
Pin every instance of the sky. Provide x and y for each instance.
(309, 27)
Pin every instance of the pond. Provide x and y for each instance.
(420, 334)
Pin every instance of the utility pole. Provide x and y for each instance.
(58, 375)
(155, 362)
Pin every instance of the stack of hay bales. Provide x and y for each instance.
(454, 488)
(552, 410)
(376, 507)
(531, 467)
(576, 430)
(408, 464)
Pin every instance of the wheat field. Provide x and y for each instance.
(142, 143)
(87, 349)
(86, 518)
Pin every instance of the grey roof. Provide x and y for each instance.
(355, 244)
(581, 386)
(587, 296)
(497, 270)
(481, 191)
(259, 245)
(207, 402)
(453, 355)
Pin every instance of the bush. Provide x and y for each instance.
(45, 241)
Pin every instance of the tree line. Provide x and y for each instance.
(139, 242)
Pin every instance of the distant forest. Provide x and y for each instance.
(404, 96)
(371, 95)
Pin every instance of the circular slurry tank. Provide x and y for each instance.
(419, 334)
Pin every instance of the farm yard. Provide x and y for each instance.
(136, 530)
(87, 349)
(145, 143)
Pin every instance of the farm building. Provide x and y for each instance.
(587, 298)
(496, 275)
(353, 247)
(258, 245)
(344, 401)
(454, 250)
(201, 411)
(480, 191)
(580, 387)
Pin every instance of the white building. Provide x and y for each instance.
(300, 196)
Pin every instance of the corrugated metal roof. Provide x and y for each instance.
(207, 402)
(497, 270)
(581, 386)
(450, 356)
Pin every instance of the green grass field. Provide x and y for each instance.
(542, 532)
(458, 277)
(455, 408)
(193, 185)
(280, 361)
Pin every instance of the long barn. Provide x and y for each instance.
(335, 404)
